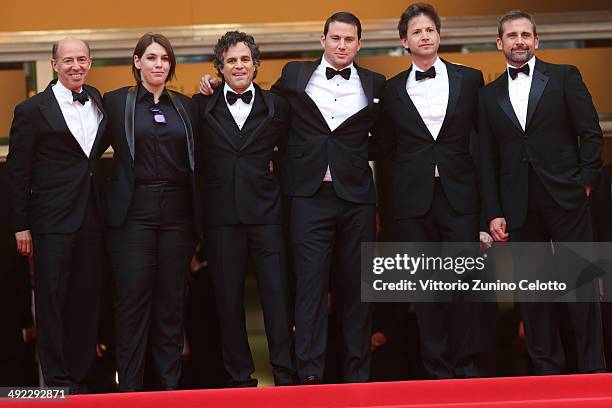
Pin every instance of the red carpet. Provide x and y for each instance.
(575, 391)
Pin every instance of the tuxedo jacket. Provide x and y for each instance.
(311, 145)
(234, 180)
(560, 111)
(120, 107)
(50, 177)
(401, 128)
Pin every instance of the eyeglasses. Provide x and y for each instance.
(158, 115)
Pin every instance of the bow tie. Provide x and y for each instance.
(82, 97)
(232, 97)
(430, 73)
(514, 71)
(344, 73)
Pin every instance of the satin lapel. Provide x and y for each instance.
(52, 113)
(367, 82)
(306, 71)
(212, 121)
(130, 107)
(102, 125)
(503, 99)
(269, 102)
(538, 83)
(405, 98)
(454, 91)
(186, 124)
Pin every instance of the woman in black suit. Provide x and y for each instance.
(151, 214)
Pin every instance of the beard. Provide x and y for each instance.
(518, 57)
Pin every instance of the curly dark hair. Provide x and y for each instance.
(414, 10)
(230, 39)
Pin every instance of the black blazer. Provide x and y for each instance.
(417, 152)
(312, 145)
(120, 106)
(560, 110)
(234, 182)
(49, 174)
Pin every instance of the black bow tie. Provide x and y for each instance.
(344, 73)
(514, 71)
(232, 97)
(82, 97)
(430, 73)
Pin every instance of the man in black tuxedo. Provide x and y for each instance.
(52, 164)
(334, 104)
(238, 129)
(536, 178)
(428, 118)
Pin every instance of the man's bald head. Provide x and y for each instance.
(56, 46)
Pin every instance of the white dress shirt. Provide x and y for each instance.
(337, 98)
(240, 110)
(430, 97)
(518, 90)
(82, 120)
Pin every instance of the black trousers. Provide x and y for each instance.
(447, 330)
(546, 221)
(323, 226)
(150, 255)
(67, 298)
(229, 248)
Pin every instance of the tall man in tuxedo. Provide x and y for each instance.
(428, 118)
(52, 165)
(238, 129)
(334, 104)
(536, 178)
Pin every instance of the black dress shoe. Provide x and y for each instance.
(311, 380)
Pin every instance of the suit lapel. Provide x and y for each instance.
(367, 83)
(130, 107)
(306, 71)
(213, 122)
(101, 126)
(454, 90)
(405, 98)
(538, 83)
(52, 113)
(503, 99)
(178, 106)
(267, 100)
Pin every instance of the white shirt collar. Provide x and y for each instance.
(531, 64)
(64, 92)
(226, 88)
(438, 65)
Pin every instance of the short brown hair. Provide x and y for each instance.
(515, 15)
(141, 47)
(415, 10)
(343, 17)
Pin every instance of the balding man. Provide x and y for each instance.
(52, 165)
